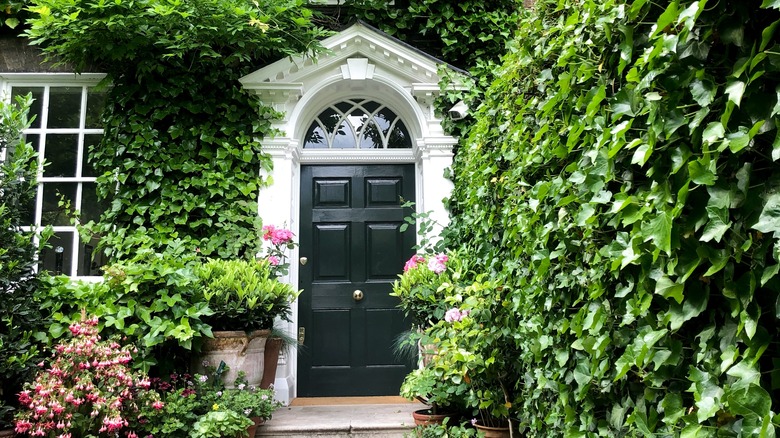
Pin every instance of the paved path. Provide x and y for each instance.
(363, 420)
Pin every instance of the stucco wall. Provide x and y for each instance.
(16, 56)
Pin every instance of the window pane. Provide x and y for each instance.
(95, 104)
(330, 120)
(399, 138)
(371, 138)
(64, 107)
(61, 155)
(370, 106)
(90, 259)
(315, 138)
(384, 119)
(34, 140)
(35, 109)
(52, 213)
(344, 138)
(89, 141)
(91, 209)
(57, 258)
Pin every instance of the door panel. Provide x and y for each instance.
(350, 232)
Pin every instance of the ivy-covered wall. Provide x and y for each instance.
(179, 160)
(621, 183)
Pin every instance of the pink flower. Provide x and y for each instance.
(437, 263)
(274, 260)
(455, 314)
(158, 405)
(413, 262)
(277, 236)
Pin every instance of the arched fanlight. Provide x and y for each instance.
(357, 124)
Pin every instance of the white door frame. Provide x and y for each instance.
(362, 63)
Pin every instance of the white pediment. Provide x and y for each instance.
(359, 52)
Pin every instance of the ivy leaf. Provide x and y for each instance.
(769, 220)
(750, 401)
(659, 230)
(700, 174)
(768, 33)
(769, 272)
(703, 92)
(12, 22)
(667, 288)
(735, 91)
(718, 224)
(669, 16)
(713, 132)
(771, 4)
(673, 408)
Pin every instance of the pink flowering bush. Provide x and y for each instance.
(88, 389)
(426, 280)
(455, 314)
(280, 240)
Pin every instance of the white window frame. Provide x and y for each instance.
(47, 81)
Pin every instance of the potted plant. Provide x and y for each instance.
(245, 297)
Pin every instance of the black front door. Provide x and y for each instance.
(350, 234)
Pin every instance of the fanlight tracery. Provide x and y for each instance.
(357, 124)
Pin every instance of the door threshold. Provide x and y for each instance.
(337, 401)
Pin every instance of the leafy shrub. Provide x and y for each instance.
(150, 298)
(243, 294)
(201, 404)
(621, 184)
(179, 159)
(21, 319)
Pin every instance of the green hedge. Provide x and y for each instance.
(621, 182)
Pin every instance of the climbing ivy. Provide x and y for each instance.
(621, 184)
(180, 157)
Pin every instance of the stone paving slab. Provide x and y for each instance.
(365, 420)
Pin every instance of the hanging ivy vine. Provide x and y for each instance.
(180, 157)
(622, 183)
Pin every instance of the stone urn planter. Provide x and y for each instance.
(239, 350)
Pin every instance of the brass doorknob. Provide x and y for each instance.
(303, 261)
(357, 295)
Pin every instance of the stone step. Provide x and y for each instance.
(344, 420)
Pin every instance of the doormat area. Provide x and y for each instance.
(335, 401)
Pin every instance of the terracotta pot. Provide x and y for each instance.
(272, 348)
(252, 430)
(493, 432)
(424, 417)
(239, 350)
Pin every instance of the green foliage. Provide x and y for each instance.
(444, 431)
(21, 320)
(151, 299)
(180, 157)
(218, 424)
(465, 33)
(621, 183)
(12, 13)
(243, 294)
(190, 400)
(421, 291)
